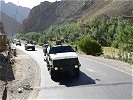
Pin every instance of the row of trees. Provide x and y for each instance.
(106, 31)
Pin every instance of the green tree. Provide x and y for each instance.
(90, 46)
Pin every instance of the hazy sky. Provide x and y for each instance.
(28, 3)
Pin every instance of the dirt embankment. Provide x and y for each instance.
(24, 76)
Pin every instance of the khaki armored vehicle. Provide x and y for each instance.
(62, 58)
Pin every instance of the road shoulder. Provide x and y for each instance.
(116, 64)
(27, 77)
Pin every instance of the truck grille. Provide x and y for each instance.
(65, 62)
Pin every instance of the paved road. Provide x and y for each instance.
(97, 81)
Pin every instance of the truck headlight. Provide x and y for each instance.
(56, 68)
(76, 66)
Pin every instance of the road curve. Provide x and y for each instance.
(96, 81)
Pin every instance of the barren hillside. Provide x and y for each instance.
(110, 8)
(11, 25)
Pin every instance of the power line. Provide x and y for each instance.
(15, 20)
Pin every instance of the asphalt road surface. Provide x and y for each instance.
(97, 81)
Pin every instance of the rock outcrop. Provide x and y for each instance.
(47, 13)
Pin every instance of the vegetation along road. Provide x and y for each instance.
(97, 80)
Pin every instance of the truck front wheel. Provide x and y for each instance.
(76, 72)
(52, 73)
(33, 48)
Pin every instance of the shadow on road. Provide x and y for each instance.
(69, 81)
(6, 70)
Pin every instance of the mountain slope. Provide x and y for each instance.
(110, 8)
(17, 12)
(46, 14)
(11, 26)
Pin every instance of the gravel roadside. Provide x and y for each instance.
(26, 76)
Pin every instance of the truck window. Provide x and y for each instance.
(61, 49)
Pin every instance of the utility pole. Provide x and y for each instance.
(15, 21)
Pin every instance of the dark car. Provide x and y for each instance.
(18, 42)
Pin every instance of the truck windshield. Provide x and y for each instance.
(61, 49)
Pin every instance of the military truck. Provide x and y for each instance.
(18, 42)
(29, 45)
(62, 58)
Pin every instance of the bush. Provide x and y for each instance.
(90, 46)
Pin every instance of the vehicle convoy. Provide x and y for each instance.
(29, 45)
(62, 58)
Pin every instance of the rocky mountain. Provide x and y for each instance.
(11, 26)
(47, 13)
(17, 12)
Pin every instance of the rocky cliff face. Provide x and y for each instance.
(47, 13)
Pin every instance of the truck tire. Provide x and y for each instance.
(33, 48)
(53, 74)
(76, 72)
